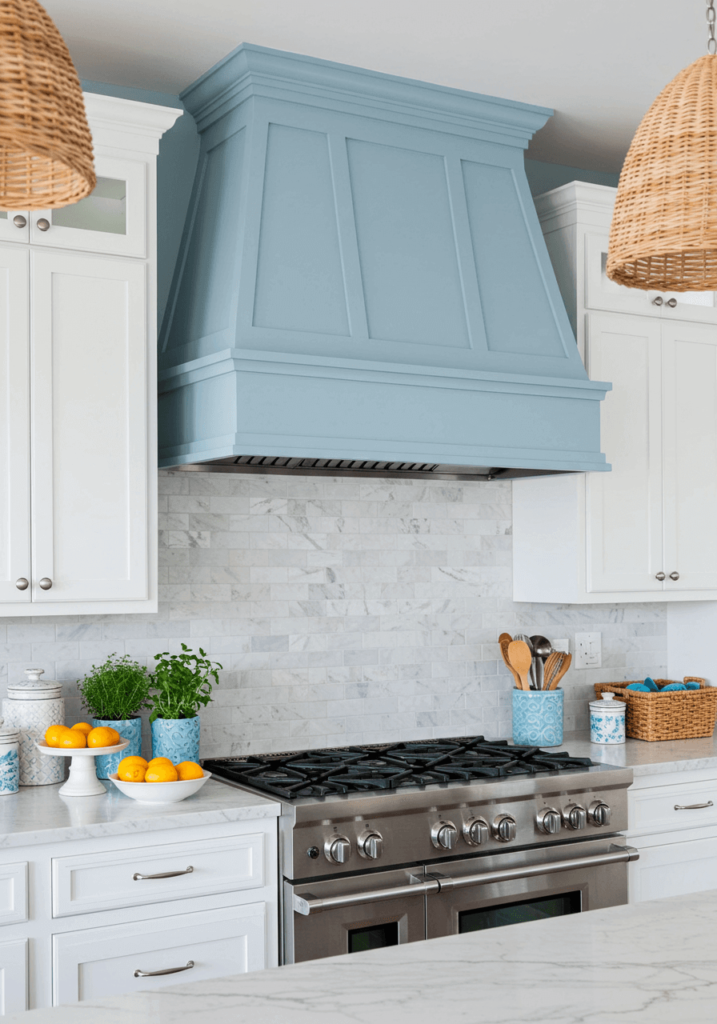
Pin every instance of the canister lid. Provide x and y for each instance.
(8, 734)
(615, 707)
(35, 688)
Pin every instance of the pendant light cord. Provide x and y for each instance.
(711, 40)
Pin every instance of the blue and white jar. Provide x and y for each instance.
(31, 708)
(176, 738)
(129, 729)
(607, 720)
(538, 718)
(9, 760)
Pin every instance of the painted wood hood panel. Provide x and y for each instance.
(345, 224)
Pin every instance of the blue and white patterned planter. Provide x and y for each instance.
(538, 718)
(129, 729)
(176, 738)
(607, 721)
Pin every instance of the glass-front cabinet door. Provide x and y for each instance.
(111, 219)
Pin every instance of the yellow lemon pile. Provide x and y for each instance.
(81, 735)
(159, 769)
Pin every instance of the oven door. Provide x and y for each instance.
(355, 925)
(529, 885)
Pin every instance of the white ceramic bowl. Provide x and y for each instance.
(160, 792)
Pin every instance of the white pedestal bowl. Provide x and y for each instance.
(83, 779)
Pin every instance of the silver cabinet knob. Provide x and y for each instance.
(575, 817)
(43, 224)
(600, 813)
(19, 221)
(338, 849)
(549, 821)
(671, 303)
(674, 575)
(444, 835)
(660, 576)
(657, 301)
(22, 583)
(505, 828)
(476, 831)
(45, 583)
(370, 845)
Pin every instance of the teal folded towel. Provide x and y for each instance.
(692, 686)
(651, 685)
(638, 686)
(672, 687)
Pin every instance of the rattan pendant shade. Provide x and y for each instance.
(664, 228)
(45, 141)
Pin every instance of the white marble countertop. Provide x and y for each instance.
(38, 814)
(650, 963)
(646, 758)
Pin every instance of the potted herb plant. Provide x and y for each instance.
(113, 694)
(181, 685)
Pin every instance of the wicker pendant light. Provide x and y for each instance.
(664, 228)
(45, 141)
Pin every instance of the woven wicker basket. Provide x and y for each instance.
(682, 715)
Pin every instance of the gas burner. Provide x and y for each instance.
(389, 767)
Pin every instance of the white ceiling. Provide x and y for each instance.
(599, 64)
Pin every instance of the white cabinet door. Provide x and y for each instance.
(13, 976)
(673, 869)
(689, 353)
(15, 563)
(98, 962)
(89, 428)
(12, 228)
(624, 507)
(112, 219)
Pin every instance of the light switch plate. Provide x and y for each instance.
(588, 650)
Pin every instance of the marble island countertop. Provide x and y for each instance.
(38, 814)
(650, 963)
(646, 758)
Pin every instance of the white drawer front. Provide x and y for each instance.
(675, 869)
(98, 962)
(653, 810)
(13, 976)
(107, 881)
(13, 893)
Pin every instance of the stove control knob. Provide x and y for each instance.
(337, 849)
(599, 814)
(444, 835)
(476, 832)
(370, 845)
(575, 817)
(549, 821)
(505, 828)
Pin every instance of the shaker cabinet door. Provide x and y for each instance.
(624, 506)
(13, 976)
(15, 564)
(89, 429)
(689, 440)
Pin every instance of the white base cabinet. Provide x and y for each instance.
(645, 530)
(88, 927)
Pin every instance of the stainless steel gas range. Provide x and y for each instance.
(394, 843)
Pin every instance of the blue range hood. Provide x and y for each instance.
(363, 285)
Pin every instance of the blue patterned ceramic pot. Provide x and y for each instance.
(9, 760)
(538, 718)
(607, 721)
(176, 738)
(130, 729)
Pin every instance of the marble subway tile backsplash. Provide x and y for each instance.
(342, 610)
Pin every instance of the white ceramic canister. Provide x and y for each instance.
(607, 720)
(31, 708)
(9, 760)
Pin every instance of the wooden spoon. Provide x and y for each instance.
(521, 659)
(567, 661)
(504, 651)
(552, 664)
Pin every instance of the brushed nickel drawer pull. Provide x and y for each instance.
(163, 874)
(693, 807)
(170, 970)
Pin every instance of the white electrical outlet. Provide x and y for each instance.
(561, 645)
(588, 650)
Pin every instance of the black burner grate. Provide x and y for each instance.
(391, 766)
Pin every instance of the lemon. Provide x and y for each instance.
(189, 770)
(161, 773)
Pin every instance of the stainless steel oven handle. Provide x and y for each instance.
(310, 904)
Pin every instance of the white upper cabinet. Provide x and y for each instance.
(78, 459)
(645, 530)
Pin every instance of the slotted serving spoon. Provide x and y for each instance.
(552, 667)
(521, 659)
(566, 663)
